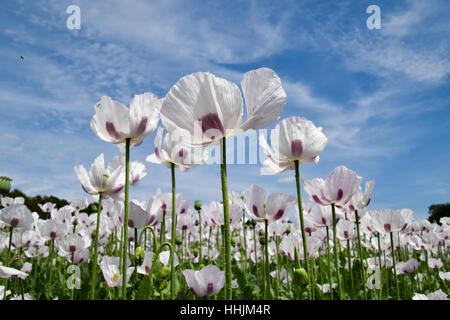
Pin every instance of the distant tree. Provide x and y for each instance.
(437, 211)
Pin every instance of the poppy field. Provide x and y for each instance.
(322, 241)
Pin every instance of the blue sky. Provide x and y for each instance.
(381, 96)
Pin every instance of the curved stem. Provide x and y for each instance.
(125, 221)
(226, 214)
(94, 260)
(155, 240)
(302, 224)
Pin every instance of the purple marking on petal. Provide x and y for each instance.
(387, 227)
(14, 222)
(368, 201)
(316, 199)
(142, 126)
(210, 288)
(157, 152)
(193, 291)
(296, 148)
(255, 211)
(324, 221)
(72, 248)
(147, 269)
(152, 218)
(84, 188)
(345, 234)
(340, 194)
(351, 207)
(211, 121)
(184, 227)
(278, 215)
(53, 234)
(289, 256)
(135, 179)
(183, 211)
(213, 221)
(112, 130)
(117, 189)
(404, 226)
(307, 229)
(164, 206)
(131, 223)
(181, 153)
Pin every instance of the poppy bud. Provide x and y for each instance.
(262, 241)
(201, 266)
(198, 205)
(165, 272)
(139, 254)
(233, 241)
(288, 230)
(178, 240)
(301, 276)
(5, 185)
(195, 252)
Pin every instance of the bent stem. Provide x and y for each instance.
(172, 240)
(94, 261)
(125, 222)
(226, 213)
(336, 254)
(302, 224)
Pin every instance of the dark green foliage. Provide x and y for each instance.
(438, 211)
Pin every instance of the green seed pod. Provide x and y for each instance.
(178, 240)
(198, 205)
(233, 241)
(195, 252)
(301, 276)
(5, 185)
(262, 241)
(201, 266)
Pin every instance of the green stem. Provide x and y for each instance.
(336, 254)
(125, 221)
(360, 255)
(172, 265)
(94, 260)
(380, 266)
(395, 268)
(200, 258)
(223, 171)
(266, 244)
(329, 262)
(302, 224)
(350, 266)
